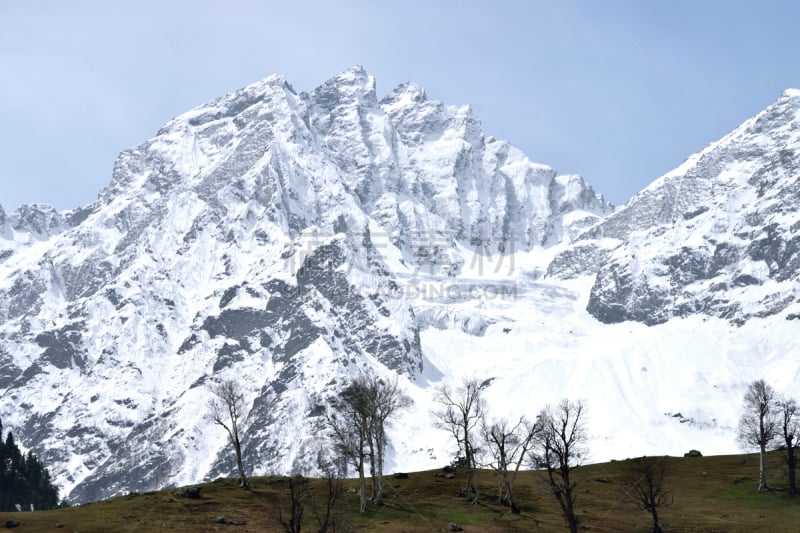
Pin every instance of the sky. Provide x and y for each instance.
(617, 91)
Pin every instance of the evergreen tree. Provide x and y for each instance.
(24, 481)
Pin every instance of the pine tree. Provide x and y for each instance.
(24, 481)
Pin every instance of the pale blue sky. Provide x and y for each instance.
(617, 91)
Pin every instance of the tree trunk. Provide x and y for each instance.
(477, 498)
(573, 525)
(362, 489)
(470, 467)
(571, 518)
(656, 527)
(762, 469)
(242, 478)
(503, 470)
(379, 443)
(510, 497)
(372, 469)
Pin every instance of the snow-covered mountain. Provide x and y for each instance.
(718, 235)
(265, 236)
(291, 240)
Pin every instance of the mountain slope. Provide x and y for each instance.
(719, 235)
(261, 236)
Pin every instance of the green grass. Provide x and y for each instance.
(711, 494)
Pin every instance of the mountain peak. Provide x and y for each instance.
(353, 85)
(791, 93)
(355, 71)
(405, 93)
(356, 76)
(271, 80)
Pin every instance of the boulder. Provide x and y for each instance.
(193, 493)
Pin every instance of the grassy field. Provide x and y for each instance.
(711, 494)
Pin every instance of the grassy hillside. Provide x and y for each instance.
(711, 494)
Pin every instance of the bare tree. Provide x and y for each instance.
(758, 425)
(226, 409)
(789, 426)
(298, 491)
(388, 399)
(562, 447)
(367, 386)
(333, 470)
(460, 413)
(508, 448)
(350, 421)
(359, 426)
(645, 486)
(306, 499)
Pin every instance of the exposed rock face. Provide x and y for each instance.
(39, 220)
(583, 257)
(239, 242)
(481, 189)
